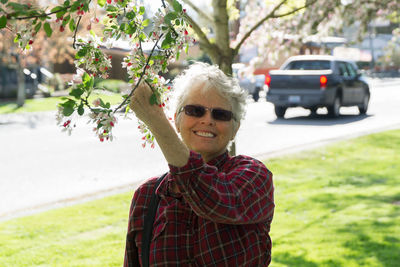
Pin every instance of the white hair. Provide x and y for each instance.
(212, 78)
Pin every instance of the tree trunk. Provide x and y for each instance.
(21, 84)
(224, 57)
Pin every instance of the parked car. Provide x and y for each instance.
(9, 81)
(252, 83)
(314, 81)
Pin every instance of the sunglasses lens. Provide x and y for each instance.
(194, 111)
(221, 114)
(199, 111)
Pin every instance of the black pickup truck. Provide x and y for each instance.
(314, 81)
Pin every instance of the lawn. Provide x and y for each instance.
(335, 206)
(50, 103)
(109, 94)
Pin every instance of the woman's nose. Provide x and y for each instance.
(207, 118)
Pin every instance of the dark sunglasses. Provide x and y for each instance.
(198, 111)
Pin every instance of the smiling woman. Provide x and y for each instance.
(214, 209)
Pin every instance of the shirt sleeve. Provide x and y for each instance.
(240, 193)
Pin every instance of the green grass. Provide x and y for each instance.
(50, 103)
(335, 206)
(111, 85)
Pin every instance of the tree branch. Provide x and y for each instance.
(43, 15)
(202, 36)
(247, 35)
(198, 10)
(269, 16)
(140, 78)
(76, 31)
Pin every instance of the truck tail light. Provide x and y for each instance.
(267, 80)
(323, 81)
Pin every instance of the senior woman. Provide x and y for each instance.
(214, 209)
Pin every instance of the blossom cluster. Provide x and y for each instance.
(167, 33)
(91, 58)
(104, 121)
(65, 123)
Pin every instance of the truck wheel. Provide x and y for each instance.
(364, 106)
(280, 111)
(256, 94)
(334, 110)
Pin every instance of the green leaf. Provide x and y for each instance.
(67, 111)
(146, 22)
(170, 16)
(66, 20)
(90, 83)
(60, 14)
(68, 107)
(104, 105)
(142, 37)
(130, 15)
(101, 2)
(153, 99)
(81, 53)
(111, 9)
(72, 25)
(16, 7)
(168, 40)
(177, 6)
(75, 5)
(142, 10)
(47, 29)
(85, 78)
(3, 1)
(76, 93)
(38, 26)
(3, 22)
(81, 110)
(56, 9)
(127, 108)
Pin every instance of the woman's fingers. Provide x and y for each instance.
(140, 104)
(139, 96)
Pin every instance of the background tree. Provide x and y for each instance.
(44, 50)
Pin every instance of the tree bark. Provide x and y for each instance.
(21, 95)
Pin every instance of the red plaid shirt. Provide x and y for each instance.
(221, 218)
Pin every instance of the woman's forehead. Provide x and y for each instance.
(207, 96)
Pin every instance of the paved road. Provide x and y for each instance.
(41, 168)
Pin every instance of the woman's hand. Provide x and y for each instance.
(144, 111)
(175, 151)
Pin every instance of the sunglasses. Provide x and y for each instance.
(198, 111)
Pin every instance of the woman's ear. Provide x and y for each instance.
(236, 127)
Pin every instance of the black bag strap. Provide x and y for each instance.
(148, 223)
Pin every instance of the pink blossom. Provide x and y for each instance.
(96, 102)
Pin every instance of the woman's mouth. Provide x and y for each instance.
(204, 134)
